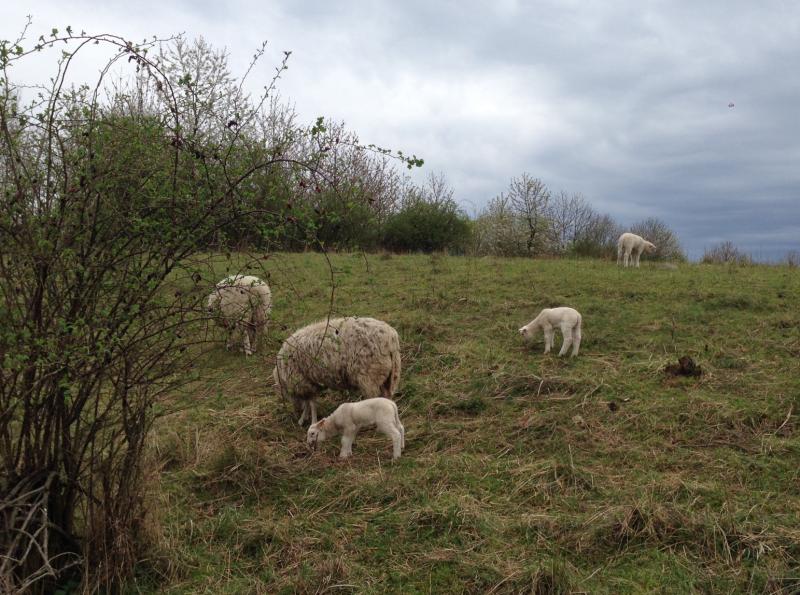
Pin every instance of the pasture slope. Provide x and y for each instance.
(522, 472)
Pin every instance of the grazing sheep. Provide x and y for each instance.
(361, 354)
(568, 319)
(349, 418)
(243, 303)
(629, 244)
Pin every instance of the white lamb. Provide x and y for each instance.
(568, 319)
(241, 303)
(353, 353)
(630, 246)
(349, 418)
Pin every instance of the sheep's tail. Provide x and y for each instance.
(389, 386)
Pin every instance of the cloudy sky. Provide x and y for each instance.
(625, 101)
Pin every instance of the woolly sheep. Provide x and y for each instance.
(361, 354)
(630, 245)
(568, 319)
(243, 303)
(349, 418)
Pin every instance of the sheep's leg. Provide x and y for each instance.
(636, 255)
(576, 339)
(402, 430)
(548, 339)
(303, 415)
(253, 333)
(246, 339)
(313, 406)
(627, 258)
(347, 445)
(566, 330)
(397, 443)
(389, 428)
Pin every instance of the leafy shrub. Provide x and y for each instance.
(426, 226)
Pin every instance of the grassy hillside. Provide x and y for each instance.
(522, 471)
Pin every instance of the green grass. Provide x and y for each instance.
(517, 476)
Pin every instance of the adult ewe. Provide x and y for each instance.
(567, 319)
(353, 353)
(241, 303)
(630, 245)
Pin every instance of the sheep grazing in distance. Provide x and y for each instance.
(349, 418)
(630, 248)
(568, 319)
(241, 303)
(352, 353)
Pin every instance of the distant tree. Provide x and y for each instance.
(498, 230)
(599, 237)
(353, 190)
(659, 233)
(569, 217)
(726, 253)
(428, 220)
(529, 197)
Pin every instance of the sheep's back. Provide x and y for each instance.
(244, 298)
(334, 353)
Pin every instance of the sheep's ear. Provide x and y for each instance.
(321, 423)
(522, 330)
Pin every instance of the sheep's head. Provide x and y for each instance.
(649, 248)
(527, 331)
(212, 303)
(316, 433)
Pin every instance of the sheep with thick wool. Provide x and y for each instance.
(630, 248)
(349, 418)
(241, 303)
(567, 319)
(350, 353)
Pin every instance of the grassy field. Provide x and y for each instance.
(522, 472)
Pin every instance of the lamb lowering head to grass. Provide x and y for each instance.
(567, 319)
(241, 304)
(630, 248)
(349, 418)
(351, 353)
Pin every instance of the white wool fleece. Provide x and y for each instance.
(568, 320)
(630, 246)
(349, 418)
(241, 303)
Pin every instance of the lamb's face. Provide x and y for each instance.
(212, 302)
(649, 248)
(526, 332)
(316, 433)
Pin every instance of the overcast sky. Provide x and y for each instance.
(626, 102)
